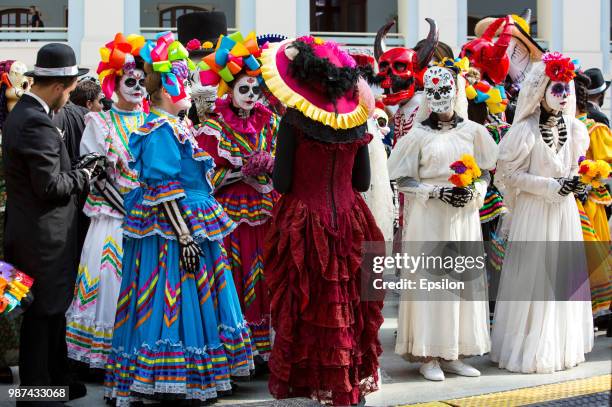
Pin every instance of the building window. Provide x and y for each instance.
(338, 15)
(168, 16)
(14, 17)
(478, 9)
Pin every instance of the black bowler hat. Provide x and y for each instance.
(204, 26)
(56, 60)
(598, 85)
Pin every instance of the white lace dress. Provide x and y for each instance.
(539, 336)
(443, 329)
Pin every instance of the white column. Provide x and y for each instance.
(131, 24)
(302, 18)
(245, 15)
(276, 17)
(75, 25)
(412, 24)
(101, 21)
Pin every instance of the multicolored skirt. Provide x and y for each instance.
(177, 335)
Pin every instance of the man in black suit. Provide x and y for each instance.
(597, 91)
(40, 228)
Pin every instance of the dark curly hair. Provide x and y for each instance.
(309, 68)
(581, 83)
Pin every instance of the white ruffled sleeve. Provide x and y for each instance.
(404, 162)
(485, 154)
(94, 135)
(513, 165)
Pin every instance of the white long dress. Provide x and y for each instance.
(443, 329)
(380, 195)
(539, 336)
(91, 316)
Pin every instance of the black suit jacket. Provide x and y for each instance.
(40, 229)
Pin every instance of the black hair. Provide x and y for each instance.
(442, 49)
(85, 91)
(139, 65)
(477, 112)
(65, 81)
(581, 83)
(320, 72)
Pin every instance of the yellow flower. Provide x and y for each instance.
(318, 41)
(466, 178)
(603, 168)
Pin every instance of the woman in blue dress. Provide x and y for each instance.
(179, 332)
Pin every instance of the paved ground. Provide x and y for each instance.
(402, 384)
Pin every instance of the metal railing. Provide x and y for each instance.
(358, 38)
(33, 34)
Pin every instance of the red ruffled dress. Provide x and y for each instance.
(326, 339)
(230, 140)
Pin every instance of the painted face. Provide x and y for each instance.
(557, 94)
(382, 121)
(185, 103)
(246, 92)
(520, 60)
(440, 89)
(132, 86)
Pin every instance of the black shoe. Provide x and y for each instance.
(76, 390)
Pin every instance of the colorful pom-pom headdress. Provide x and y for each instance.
(317, 78)
(117, 57)
(234, 54)
(171, 59)
(559, 68)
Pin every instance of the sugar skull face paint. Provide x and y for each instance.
(440, 89)
(132, 86)
(246, 92)
(557, 94)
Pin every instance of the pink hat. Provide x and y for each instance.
(327, 94)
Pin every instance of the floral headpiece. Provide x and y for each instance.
(117, 57)
(458, 65)
(558, 67)
(196, 45)
(171, 59)
(234, 53)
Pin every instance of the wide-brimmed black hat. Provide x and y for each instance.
(57, 60)
(204, 26)
(598, 84)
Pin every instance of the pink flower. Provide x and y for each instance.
(193, 45)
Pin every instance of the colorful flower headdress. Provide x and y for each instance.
(234, 53)
(494, 96)
(117, 56)
(558, 67)
(171, 59)
(458, 65)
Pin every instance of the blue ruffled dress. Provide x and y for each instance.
(176, 334)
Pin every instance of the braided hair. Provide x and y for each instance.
(581, 83)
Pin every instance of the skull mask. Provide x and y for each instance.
(204, 96)
(401, 69)
(245, 93)
(19, 83)
(490, 57)
(440, 89)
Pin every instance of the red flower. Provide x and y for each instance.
(558, 67)
(193, 45)
(584, 168)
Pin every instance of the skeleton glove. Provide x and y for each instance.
(454, 196)
(568, 185)
(190, 251)
(93, 164)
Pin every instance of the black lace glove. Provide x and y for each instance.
(454, 196)
(93, 163)
(568, 185)
(190, 251)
